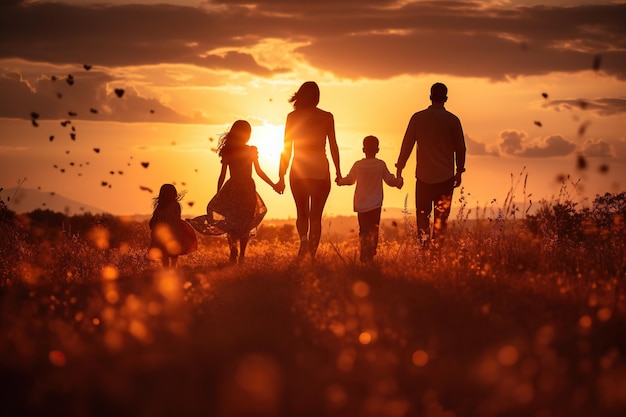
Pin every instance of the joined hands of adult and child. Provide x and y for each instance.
(279, 187)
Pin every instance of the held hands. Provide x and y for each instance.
(399, 182)
(279, 187)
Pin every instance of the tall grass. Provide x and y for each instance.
(516, 315)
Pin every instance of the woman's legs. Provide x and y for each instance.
(319, 195)
(310, 196)
(232, 244)
(243, 243)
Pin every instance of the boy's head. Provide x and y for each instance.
(370, 145)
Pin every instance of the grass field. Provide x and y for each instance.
(509, 318)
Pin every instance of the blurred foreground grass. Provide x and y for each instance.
(509, 318)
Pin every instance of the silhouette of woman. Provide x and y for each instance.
(237, 208)
(306, 131)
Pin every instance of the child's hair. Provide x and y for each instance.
(167, 194)
(238, 135)
(308, 95)
(370, 143)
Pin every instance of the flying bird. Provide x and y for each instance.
(145, 164)
(119, 92)
(87, 67)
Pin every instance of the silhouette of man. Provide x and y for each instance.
(440, 143)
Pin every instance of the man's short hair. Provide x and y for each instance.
(438, 92)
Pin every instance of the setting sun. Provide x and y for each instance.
(269, 141)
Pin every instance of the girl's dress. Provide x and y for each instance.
(169, 233)
(237, 209)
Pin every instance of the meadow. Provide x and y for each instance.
(516, 315)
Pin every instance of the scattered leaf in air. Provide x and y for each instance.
(544, 95)
(583, 104)
(73, 136)
(72, 114)
(51, 138)
(119, 92)
(583, 128)
(104, 183)
(603, 169)
(70, 79)
(94, 111)
(597, 60)
(142, 188)
(581, 162)
(538, 123)
(190, 203)
(87, 67)
(53, 78)
(34, 115)
(145, 164)
(59, 95)
(34, 122)
(152, 111)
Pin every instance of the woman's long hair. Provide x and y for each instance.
(237, 136)
(308, 95)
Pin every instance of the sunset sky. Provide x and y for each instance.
(535, 84)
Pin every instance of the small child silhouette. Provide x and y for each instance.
(171, 236)
(237, 208)
(369, 174)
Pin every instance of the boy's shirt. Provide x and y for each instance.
(369, 174)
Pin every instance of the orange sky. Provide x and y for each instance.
(190, 69)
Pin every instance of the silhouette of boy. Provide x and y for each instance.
(369, 174)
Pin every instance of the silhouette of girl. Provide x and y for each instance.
(237, 208)
(306, 131)
(171, 236)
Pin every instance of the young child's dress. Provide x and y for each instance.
(170, 234)
(237, 208)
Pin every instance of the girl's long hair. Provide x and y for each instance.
(308, 95)
(167, 194)
(237, 136)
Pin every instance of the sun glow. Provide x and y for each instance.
(269, 140)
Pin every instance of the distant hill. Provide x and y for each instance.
(25, 200)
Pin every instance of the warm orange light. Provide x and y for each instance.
(508, 355)
(420, 358)
(269, 141)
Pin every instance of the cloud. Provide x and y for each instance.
(597, 148)
(601, 106)
(517, 143)
(479, 148)
(350, 38)
(91, 97)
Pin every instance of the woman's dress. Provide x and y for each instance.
(237, 209)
